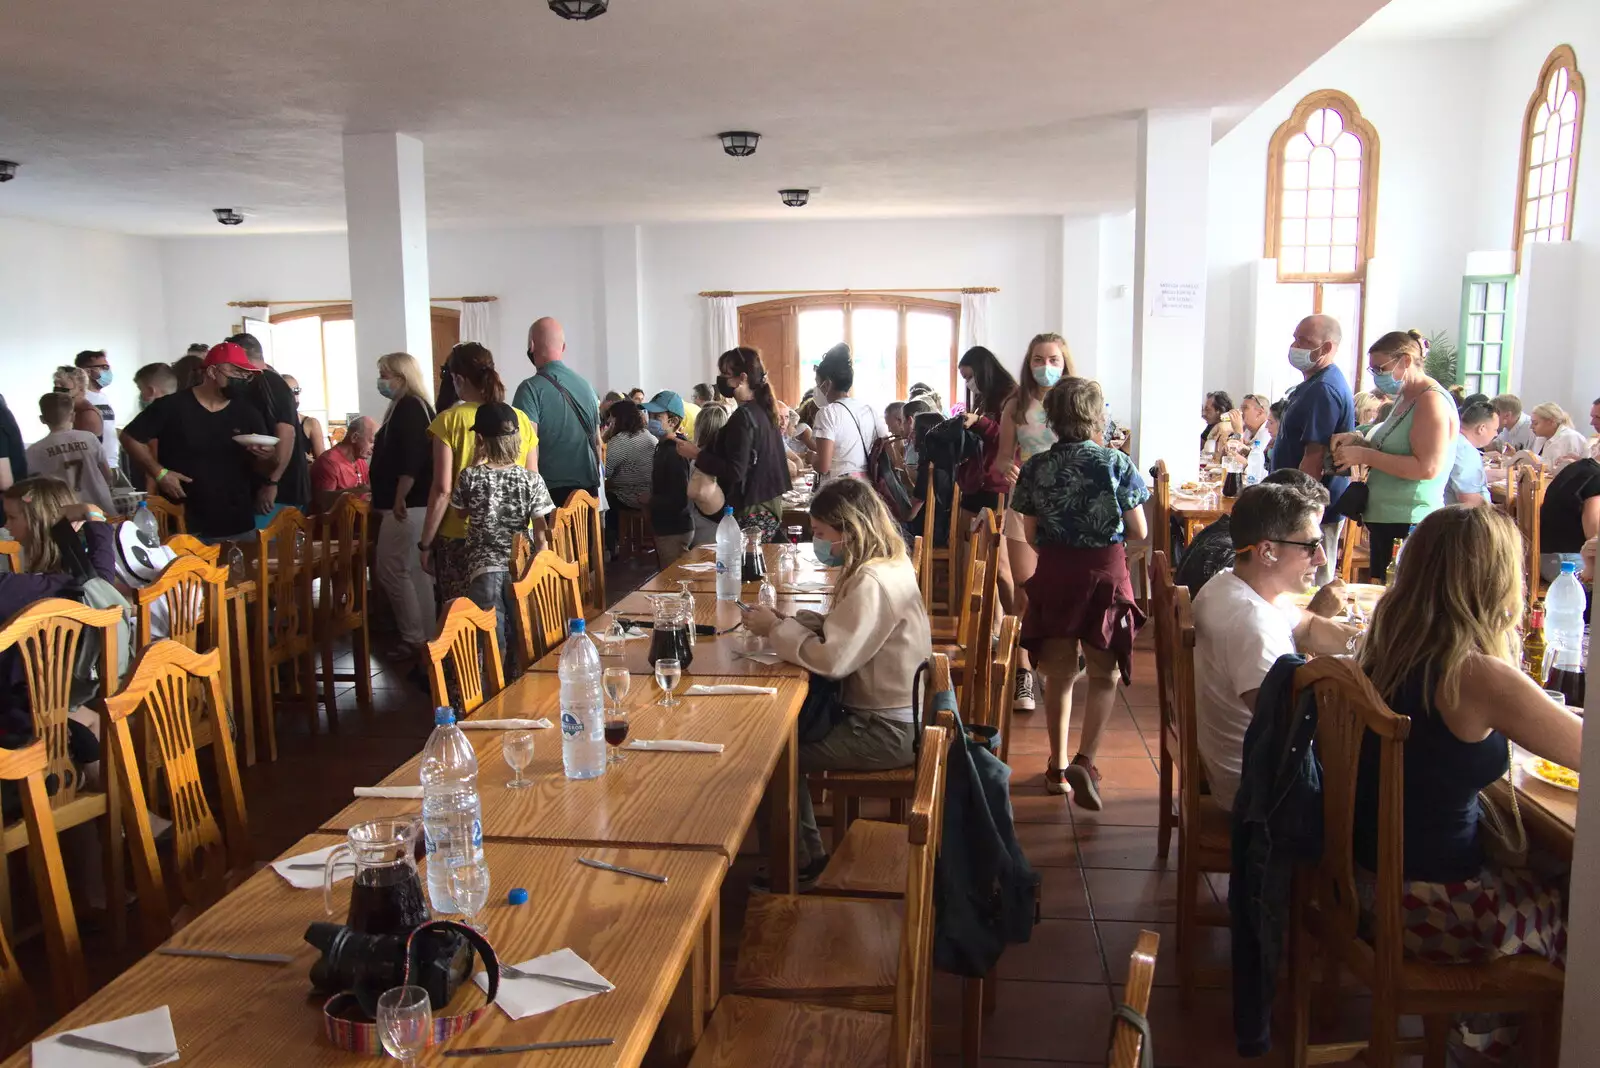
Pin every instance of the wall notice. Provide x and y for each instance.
(1175, 300)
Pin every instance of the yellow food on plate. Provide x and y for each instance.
(1554, 773)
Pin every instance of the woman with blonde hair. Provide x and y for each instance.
(74, 381)
(872, 641)
(1556, 441)
(402, 475)
(1442, 650)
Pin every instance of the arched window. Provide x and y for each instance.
(1548, 177)
(1322, 191)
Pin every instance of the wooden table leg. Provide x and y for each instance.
(711, 950)
(684, 1021)
(784, 810)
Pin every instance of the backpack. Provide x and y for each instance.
(885, 478)
(90, 589)
(950, 444)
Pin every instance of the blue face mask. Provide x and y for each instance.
(102, 377)
(385, 390)
(1302, 360)
(1387, 383)
(655, 427)
(828, 554)
(1047, 376)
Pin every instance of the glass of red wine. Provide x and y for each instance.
(617, 681)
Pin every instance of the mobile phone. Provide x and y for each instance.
(743, 607)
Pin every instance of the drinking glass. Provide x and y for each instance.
(794, 532)
(517, 748)
(617, 682)
(405, 1021)
(616, 733)
(668, 671)
(469, 884)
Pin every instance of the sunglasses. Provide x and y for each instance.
(1308, 546)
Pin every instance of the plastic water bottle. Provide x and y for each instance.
(452, 818)
(730, 557)
(146, 522)
(1255, 469)
(583, 727)
(1563, 634)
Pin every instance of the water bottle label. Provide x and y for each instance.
(571, 725)
(722, 568)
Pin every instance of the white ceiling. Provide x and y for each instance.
(1408, 20)
(140, 117)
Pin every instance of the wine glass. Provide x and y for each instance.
(616, 733)
(617, 682)
(469, 885)
(668, 671)
(405, 1022)
(517, 748)
(794, 532)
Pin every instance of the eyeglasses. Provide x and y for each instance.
(295, 391)
(1308, 546)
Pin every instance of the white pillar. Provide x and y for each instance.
(1080, 293)
(386, 208)
(621, 366)
(1169, 283)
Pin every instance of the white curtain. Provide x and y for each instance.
(477, 321)
(974, 320)
(722, 327)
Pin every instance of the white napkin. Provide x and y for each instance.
(729, 690)
(504, 724)
(150, 1032)
(529, 997)
(397, 793)
(671, 745)
(763, 658)
(312, 880)
(704, 565)
(807, 587)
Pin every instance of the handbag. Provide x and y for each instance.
(1501, 846)
(1353, 501)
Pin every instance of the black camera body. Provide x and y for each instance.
(369, 964)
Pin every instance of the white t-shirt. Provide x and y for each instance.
(108, 426)
(76, 458)
(1238, 635)
(1561, 448)
(854, 427)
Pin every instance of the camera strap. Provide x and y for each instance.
(358, 1036)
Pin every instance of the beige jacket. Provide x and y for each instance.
(874, 638)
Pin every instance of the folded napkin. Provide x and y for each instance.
(308, 879)
(504, 724)
(764, 658)
(703, 565)
(398, 793)
(150, 1032)
(671, 745)
(807, 587)
(729, 690)
(529, 997)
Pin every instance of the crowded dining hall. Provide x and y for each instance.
(902, 563)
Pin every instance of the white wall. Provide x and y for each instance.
(64, 290)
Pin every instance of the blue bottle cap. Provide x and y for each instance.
(576, 626)
(727, 509)
(517, 896)
(443, 716)
(1568, 567)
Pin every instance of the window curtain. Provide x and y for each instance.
(974, 320)
(477, 321)
(722, 327)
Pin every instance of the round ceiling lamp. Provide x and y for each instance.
(739, 143)
(579, 10)
(8, 170)
(228, 216)
(795, 198)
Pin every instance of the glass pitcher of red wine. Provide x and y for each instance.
(755, 561)
(670, 633)
(387, 895)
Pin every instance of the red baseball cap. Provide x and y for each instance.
(229, 353)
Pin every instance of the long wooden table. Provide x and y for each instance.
(647, 938)
(714, 655)
(804, 570)
(1195, 514)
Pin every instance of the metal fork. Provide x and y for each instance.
(149, 1060)
(508, 972)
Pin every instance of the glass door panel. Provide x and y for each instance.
(930, 336)
(876, 339)
(820, 329)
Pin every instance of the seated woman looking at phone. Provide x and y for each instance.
(873, 640)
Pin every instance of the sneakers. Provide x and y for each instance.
(761, 882)
(1022, 697)
(1055, 781)
(1084, 778)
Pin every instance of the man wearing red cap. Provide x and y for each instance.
(201, 466)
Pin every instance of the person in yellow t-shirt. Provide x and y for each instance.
(444, 530)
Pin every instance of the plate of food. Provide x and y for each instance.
(263, 440)
(1551, 772)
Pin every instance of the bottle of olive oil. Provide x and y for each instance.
(1533, 644)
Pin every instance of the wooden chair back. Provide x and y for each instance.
(907, 1044)
(467, 644)
(189, 545)
(283, 571)
(1530, 499)
(576, 535)
(170, 517)
(192, 592)
(168, 683)
(1175, 642)
(957, 538)
(549, 595)
(1161, 512)
(921, 568)
(343, 537)
(1126, 1041)
(1002, 678)
(11, 553)
(1514, 478)
(1349, 539)
(69, 981)
(929, 526)
(521, 555)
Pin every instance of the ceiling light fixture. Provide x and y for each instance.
(228, 216)
(795, 198)
(739, 143)
(8, 170)
(579, 10)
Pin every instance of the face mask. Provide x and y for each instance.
(1302, 359)
(1387, 383)
(385, 390)
(655, 427)
(723, 389)
(828, 554)
(102, 377)
(60, 389)
(236, 388)
(1047, 376)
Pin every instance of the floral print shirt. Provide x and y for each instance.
(1078, 491)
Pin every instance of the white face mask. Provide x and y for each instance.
(1302, 359)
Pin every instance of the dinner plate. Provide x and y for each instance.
(1535, 766)
(255, 439)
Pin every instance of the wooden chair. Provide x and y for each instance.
(168, 683)
(949, 556)
(1002, 681)
(11, 553)
(917, 565)
(343, 540)
(1327, 918)
(47, 635)
(1514, 477)
(69, 981)
(170, 517)
(1204, 828)
(549, 595)
(1349, 549)
(189, 545)
(635, 538)
(576, 534)
(282, 617)
(466, 645)
(1530, 499)
(1126, 1040)
(1161, 510)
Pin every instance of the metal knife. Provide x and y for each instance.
(508, 972)
(532, 1047)
(620, 870)
(217, 954)
(94, 1045)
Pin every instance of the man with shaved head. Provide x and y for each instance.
(1319, 408)
(343, 468)
(565, 413)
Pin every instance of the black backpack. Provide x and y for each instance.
(951, 444)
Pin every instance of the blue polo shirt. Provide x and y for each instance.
(1319, 408)
(1466, 473)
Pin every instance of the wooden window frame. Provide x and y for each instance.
(1350, 114)
(1508, 331)
(1562, 57)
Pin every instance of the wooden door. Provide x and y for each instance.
(773, 331)
(446, 335)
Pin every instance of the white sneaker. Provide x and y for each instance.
(1055, 781)
(1022, 696)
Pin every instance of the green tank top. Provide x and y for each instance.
(1402, 500)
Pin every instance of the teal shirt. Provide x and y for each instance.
(1401, 500)
(566, 460)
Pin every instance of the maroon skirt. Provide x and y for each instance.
(1086, 594)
